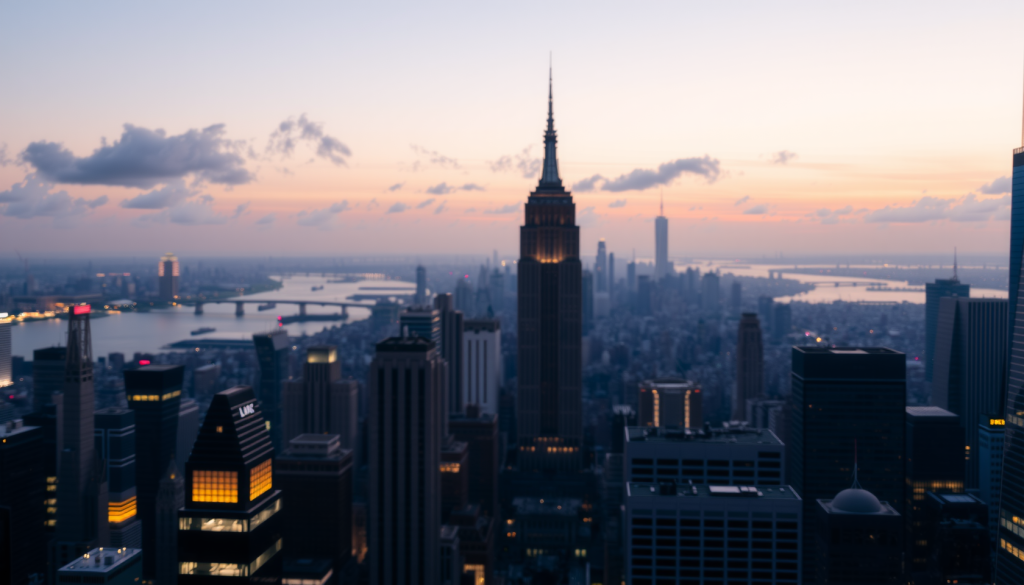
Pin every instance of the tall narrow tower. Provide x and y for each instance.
(549, 416)
(661, 266)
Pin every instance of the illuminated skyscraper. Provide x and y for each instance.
(231, 524)
(549, 417)
(6, 377)
(662, 266)
(749, 365)
(167, 274)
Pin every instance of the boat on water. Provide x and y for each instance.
(316, 288)
(202, 330)
(266, 306)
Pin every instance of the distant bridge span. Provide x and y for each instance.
(240, 305)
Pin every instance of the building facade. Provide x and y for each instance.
(749, 365)
(167, 277)
(481, 364)
(272, 353)
(23, 493)
(933, 293)
(859, 540)
(322, 402)
(451, 347)
(670, 402)
(115, 444)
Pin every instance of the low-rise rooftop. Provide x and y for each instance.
(727, 434)
(647, 489)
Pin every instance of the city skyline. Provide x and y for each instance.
(439, 144)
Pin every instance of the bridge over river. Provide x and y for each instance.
(240, 305)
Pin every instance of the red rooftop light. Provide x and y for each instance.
(81, 309)
(143, 362)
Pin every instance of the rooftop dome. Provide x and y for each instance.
(857, 501)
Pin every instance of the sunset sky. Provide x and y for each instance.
(401, 128)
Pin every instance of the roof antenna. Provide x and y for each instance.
(856, 484)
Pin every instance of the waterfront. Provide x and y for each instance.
(150, 331)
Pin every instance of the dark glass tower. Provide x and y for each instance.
(321, 402)
(1010, 542)
(272, 352)
(550, 424)
(230, 530)
(933, 293)
(115, 444)
(154, 393)
(749, 365)
(451, 347)
(48, 366)
(22, 485)
(1016, 232)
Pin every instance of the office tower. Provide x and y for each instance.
(99, 566)
(205, 381)
(448, 554)
(613, 489)
(464, 300)
(315, 474)
(631, 276)
(483, 296)
(170, 497)
(51, 421)
(550, 357)
(844, 397)
(481, 369)
(81, 486)
(859, 539)
(167, 274)
(710, 290)
(230, 525)
(115, 444)
(716, 456)
(497, 291)
(766, 311)
(23, 492)
(642, 306)
(782, 321)
(670, 402)
(736, 298)
(1016, 230)
(611, 276)
(764, 527)
(935, 445)
(759, 412)
(188, 429)
(321, 402)
(960, 549)
(601, 268)
(476, 542)
(407, 381)
(587, 286)
(272, 353)
(384, 314)
(480, 432)
(969, 365)
(420, 298)
(933, 292)
(454, 477)
(6, 375)
(661, 264)
(990, 462)
(424, 322)
(749, 365)
(451, 347)
(1010, 544)
(116, 361)
(48, 366)
(154, 394)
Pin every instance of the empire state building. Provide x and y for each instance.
(549, 417)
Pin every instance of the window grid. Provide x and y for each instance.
(260, 479)
(215, 486)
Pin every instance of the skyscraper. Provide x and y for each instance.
(115, 444)
(631, 276)
(22, 492)
(858, 539)
(481, 369)
(6, 376)
(48, 366)
(749, 365)
(321, 402)
(81, 485)
(154, 394)
(420, 298)
(587, 286)
(231, 524)
(710, 293)
(480, 431)
(844, 397)
(933, 291)
(451, 347)
(170, 497)
(991, 434)
(1010, 545)
(407, 429)
(1016, 231)
(167, 275)
(601, 267)
(550, 357)
(51, 420)
(782, 321)
(422, 321)
(969, 365)
(272, 352)
(670, 402)
(611, 276)
(661, 264)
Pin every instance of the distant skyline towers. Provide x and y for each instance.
(482, 368)
(272, 354)
(749, 365)
(154, 394)
(167, 277)
(550, 357)
(422, 321)
(611, 274)
(970, 366)
(601, 267)
(420, 297)
(661, 263)
(710, 292)
(406, 430)
(321, 402)
(933, 291)
(451, 347)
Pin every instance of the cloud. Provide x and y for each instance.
(510, 208)
(4, 161)
(527, 165)
(440, 189)
(425, 203)
(782, 157)
(970, 208)
(169, 195)
(922, 210)
(143, 158)
(742, 200)
(34, 197)
(829, 216)
(472, 187)
(266, 219)
(395, 187)
(434, 158)
(996, 187)
(240, 210)
(756, 210)
(195, 213)
(398, 207)
(290, 132)
(640, 179)
(617, 203)
(586, 184)
(588, 217)
(373, 204)
(441, 208)
(321, 218)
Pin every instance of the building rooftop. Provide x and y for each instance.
(742, 434)
(13, 428)
(929, 411)
(412, 344)
(478, 325)
(547, 506)
(846, 350)
(102, 560)
(669, 383)
(670, 489)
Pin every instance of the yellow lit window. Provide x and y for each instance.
(260, 479)
(450, 467)
(121, 511)
(215, 486)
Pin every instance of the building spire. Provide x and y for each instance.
(550, 182)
